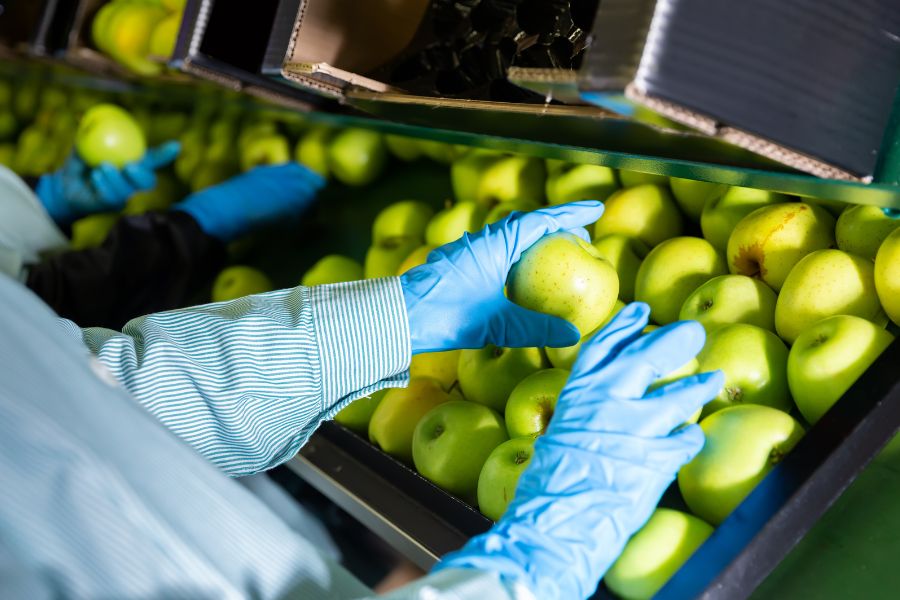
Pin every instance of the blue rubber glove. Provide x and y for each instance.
(456, 299)
(259, 197)
(609, 452)
(76, 190)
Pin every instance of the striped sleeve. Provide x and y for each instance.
(246, 382)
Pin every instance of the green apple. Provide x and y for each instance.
(646, 212)
(828, 357)
(108, 133)
(504, 209)
(554, 166)
(467, 171)
(743, 443)
(129, 28)
(167, 191)
(692, 195)
(500, 475)
(488, 375)
(332, 268)
(452, 442)
(164, 37)
(730, 299)
(357, 157)
(451, 223)
(574, 182)
(673, 270)
(100, 25)
(564, 358)
(34, 152)
(653, 554)
(767, 243)
(754, 361)
(91, 231)
(826, 283)
(174, 5)
(564, 276)
(439, 151)
(384, 259)
(442, 366)
(271, 149)
(887, 276)
(312, 150)
(405, 148)
(861, 229)
(532, 402)
(625, 254)
(395, 418)
(357, 414)
(512, 178)
(239, 281)
(634, 179)
(417, 257)
(721, 214)
(404, 219)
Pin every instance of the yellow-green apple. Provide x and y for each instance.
(653, 554)
(167, 191)
(692, 195)
(635, 178)
(767, 243)
(512, 178)
(564, 358)
(272, 149)
(312, 150)
(174, 5)
(861, 229)
(730, 299)
(357, 156)
(828, 357)
(505, 208)
(404, 148)
(563, 275)
(357, 414)
(721, 214)
(887, 276)
(743, 443)
(500, 475)
(239, 281)
(405, 219)
(164, 36)
(417, 257)
(488, 375)
(625, 254)
(671, 271)
(754, 361)
(100, 25)
(449, 224)
(91, 231)
(442, 366)
(384, 259)
(574, 182)
(108, 133)
(395, 418)
(129, 29)
(646, 212)
(467, 170)
(452, 442)
(440, 152)
(532, 402)
(826, 283)
(332, 268)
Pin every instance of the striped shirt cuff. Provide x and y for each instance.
(363, 339)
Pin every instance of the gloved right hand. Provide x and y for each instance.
(609, 452)
(261, 196)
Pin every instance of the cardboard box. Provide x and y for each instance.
(809, 83)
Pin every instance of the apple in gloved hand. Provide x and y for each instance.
(646, 212)
(532, 401)
(500, 475)
(730, 299)
(239, 281)
(332, 268)
(357, 414)
(395, 418)
(488, 375)
(743, 443)
(452, 442)
(655, 553)
(827, 358)
(356, 157)
(108, 133)
(564, 276)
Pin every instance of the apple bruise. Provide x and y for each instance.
(747, 262)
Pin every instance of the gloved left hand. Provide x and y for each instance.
(76, 190)
(456, 299)
(261, 196)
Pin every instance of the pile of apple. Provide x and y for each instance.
(138, 34)
(794, 293)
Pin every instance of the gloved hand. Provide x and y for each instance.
(609, 452)
(76, 190)
(456, 300)
(261, 196)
